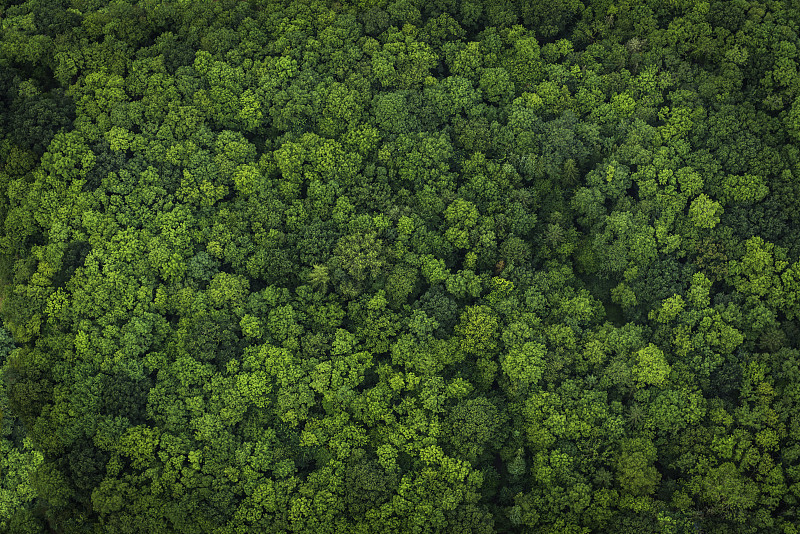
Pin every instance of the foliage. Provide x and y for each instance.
(399, 266)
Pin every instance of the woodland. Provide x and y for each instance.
(399, 266)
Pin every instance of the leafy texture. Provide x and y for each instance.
(399, 266)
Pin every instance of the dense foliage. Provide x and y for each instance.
(399, 266)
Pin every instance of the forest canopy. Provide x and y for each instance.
(399, 266)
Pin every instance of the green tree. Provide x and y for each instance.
(635, 471)
(704, 212)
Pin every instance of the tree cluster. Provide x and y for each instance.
(399, 266)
